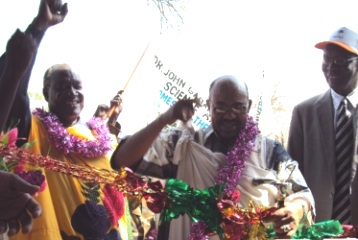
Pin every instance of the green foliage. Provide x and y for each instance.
(6, 162)
(91, 191)
(28, 144)
(36, 96)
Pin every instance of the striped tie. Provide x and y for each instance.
(344, 152)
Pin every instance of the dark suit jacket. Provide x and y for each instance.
(311, 143)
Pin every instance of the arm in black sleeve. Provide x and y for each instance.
(20, 112)
(51, 12)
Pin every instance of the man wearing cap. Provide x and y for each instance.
(317, 131)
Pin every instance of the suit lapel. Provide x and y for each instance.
(355, 153)
(354, 186)
(326, 125)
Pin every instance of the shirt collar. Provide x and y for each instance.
(352, 97)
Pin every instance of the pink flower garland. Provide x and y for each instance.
(9, 164)
(230, 173)
(236, 156)
(63, 141)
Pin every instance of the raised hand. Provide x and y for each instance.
(51, 12)
(116, 107)
(182, 110)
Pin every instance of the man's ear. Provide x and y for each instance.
(208, 104)
(45, 93)
(250, 102)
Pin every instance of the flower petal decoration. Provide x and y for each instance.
(12, 136)
(67, 143)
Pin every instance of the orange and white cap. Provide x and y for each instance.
(343, 37)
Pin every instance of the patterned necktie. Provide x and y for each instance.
(344, 152)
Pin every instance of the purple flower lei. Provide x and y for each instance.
(63, 141)
(230, 173)
(236, 156)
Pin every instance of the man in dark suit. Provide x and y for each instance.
(313, 129)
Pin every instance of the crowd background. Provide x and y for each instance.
(267, 43)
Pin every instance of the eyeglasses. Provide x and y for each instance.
(339, 61)
(236, 109)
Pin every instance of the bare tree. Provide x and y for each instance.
(280, 115)
(170, 11)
